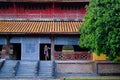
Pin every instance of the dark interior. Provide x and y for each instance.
(77, 48)
(17, 51)
(0, 47)
(42, 56)
(58, 47)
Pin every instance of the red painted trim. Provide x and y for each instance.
(91, 56)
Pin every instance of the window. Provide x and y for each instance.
(71, 52)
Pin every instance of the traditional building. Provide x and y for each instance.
(32, 24)
(29, 25)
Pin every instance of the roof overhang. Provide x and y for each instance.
(44, 27)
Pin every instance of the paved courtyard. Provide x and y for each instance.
(62, 78)
(26, 79)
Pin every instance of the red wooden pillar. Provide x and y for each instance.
(91, 56)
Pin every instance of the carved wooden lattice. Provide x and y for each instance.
(72, 56)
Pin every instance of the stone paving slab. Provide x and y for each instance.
(25, 79)
(62, 78)
(92, 77)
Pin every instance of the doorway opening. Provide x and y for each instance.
(1, 50)
(41, 49)
(17, 51)
(1, 47)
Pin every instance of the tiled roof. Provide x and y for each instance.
(12, 27)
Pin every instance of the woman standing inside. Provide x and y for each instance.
(46, 53)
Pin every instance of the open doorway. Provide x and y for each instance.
(1, 47)
(1, 50)
(41, 49)
(17, 51)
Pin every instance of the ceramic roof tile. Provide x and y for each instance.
(39, 27)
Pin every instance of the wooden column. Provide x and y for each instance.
(8, 43)
(52, 47)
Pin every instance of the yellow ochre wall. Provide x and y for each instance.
(101, 57)
(119, 57)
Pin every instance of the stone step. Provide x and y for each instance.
(45, 69)
(45, 63)
(26, 74)
(48, 77)
(6, 71)
(27, 69)
(50, 65)
(7, 74)
(45, 66)
(28, 65)
(8, 68)
(45, 73)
